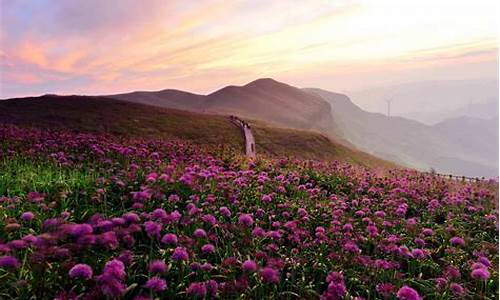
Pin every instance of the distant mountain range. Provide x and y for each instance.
(265, 99)
(461, 146)
(431, 102)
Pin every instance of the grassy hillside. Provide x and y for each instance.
(101, 114)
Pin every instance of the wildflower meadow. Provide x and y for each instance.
(91, 216)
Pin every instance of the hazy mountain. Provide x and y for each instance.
(263, 99)
(473, 135)
(431, 102)
(466, 148)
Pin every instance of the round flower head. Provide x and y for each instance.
(199, 233)
(158, 266)
(418, 253)
(153, 229)
(457, 241)
(270, 275)
(81, 229)
(81, 271)
(27, 216)
(208, 248)
(8, 262)
(249, 266)
(180, 254)
(266, 198)
(169, 239)
(114, 268)
(246, 220)
(197, 289)
(480, 274)
(225, 212)
(485, 261)
(407, 293)
(156, 284)
(457, 289)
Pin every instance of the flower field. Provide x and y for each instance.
(86, 216)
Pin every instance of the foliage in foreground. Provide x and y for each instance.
(87, 217)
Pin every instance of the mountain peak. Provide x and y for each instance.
(264, 82)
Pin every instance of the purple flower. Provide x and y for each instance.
(427, 232)
(225, 212)
(197, 289)
(485, 261)
(110, 281)
(212, 287)
(78, 230)
(180, 254)
(27, 216)
(199, 233)
(457, 289)
(169, 238)
(131, 217)
(336, 286)
(418, 253)
(115, 268)
(480, 274)
(81, 271)
(158, 266)
(156, 284)
(407, 293)
(457, 241)
(249, 266)
(266, 198)
(246, 220)
(208, 248)
(8, 261)
(159, 214)
(270, 275)
(153, 229)
(440, 283)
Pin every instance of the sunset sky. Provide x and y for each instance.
(111, 46)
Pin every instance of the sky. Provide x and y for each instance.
(112, 46)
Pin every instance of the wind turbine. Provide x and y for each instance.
(389, 106)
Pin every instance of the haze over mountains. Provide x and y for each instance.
(462, 148)
(432, 102)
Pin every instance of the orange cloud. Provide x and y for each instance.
(29, 52)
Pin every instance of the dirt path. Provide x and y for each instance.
(247, 132)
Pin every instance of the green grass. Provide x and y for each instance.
(105, 115)
(67, 187)
(20, 176)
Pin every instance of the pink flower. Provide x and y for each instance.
(208, 248)
(169, 238)
(270, 275)
(249, 266)
(153, 229)
(27, 216)
(246, 220)
(457, 241)
(407, 293)
(81, 271)
(158, 266)
(9, 262)
(199, 233)
(156, 284)
(480, 274)
(180, 254)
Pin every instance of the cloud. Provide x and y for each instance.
(118, 45)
